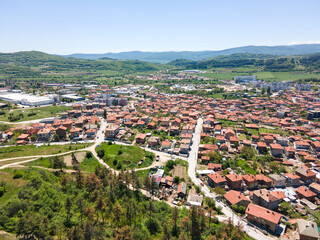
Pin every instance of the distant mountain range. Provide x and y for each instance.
(165, 57)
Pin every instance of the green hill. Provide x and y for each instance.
(308, 62)
(165, 57)
(35, 64)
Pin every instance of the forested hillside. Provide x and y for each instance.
(101, 206)
(266, 62)
(41, 65)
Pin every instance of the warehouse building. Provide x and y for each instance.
(28, 99)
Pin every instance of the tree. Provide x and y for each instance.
(88, 154)
(219, 191)
(117, 214)
(166, 233)
(56, 138)
(124, 233)
(100, 206)
(58, 163)
(100, 153)
(153, 225)
(175, 215)
(263, 91)
(268, 90)
(75, 162)
(195, 224)
(214, 157)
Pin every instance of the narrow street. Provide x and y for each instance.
(236, 220)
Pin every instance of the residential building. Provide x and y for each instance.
(234, 181)
(304, 192)
(112, 131)
(306, 174)
(236, 198)
(307, 230)
(216, 180)
(277, 180)
(263, 217)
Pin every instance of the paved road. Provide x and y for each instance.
(192, 160)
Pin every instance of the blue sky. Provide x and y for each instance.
(99, 26)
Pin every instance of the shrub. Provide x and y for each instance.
(119, 152)
(176, 179)
(100, 153)
(119, 166)
(2, 190)
(18, 174)
(115, 162)
(89, 155)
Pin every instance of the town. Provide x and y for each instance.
(256, 156)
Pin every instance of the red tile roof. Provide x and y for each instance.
(263, 213)
(234, 197)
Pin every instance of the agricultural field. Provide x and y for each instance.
(229, 73)
(27, 114)
(32, 150)
(124, 157)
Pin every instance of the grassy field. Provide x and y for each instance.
(13, 186)
(2, 163)
(245, 167)
(229, 73)
(31, 150)
(125, 157)
(88, 164)
(143, 173)
(32, 113)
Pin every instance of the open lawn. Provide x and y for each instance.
(125, 157)
(31, 150)
(26, 114)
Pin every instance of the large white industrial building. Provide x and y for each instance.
(28, 99)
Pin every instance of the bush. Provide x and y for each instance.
(119, 166)
(31, 114)
(2, 190)
(109, 143)
(89, 155)
(115, 162)
(119, 152)
(176, 179)
(18, 174)
(100, 153)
